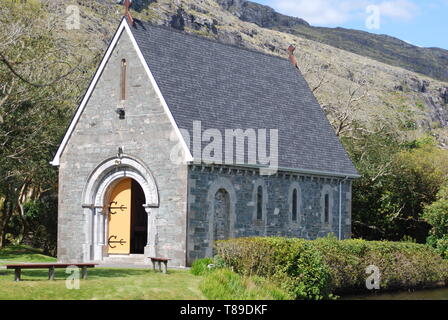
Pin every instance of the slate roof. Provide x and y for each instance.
(228, 87)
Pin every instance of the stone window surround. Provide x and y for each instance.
(256, 184)
(295, 186)
(123, 79)
(218, 184)
(327, 189)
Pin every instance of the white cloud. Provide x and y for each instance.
(401, 9)
(336, 12)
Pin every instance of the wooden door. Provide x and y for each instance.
(120, 218)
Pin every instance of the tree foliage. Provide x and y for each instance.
(436, 214)
(40, 76)
(398, 180)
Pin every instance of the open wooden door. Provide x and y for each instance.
(119, 236)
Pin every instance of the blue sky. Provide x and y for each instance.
(420, 22)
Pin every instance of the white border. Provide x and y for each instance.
(123, 26)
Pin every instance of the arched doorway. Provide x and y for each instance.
(127, 218)
(143, 203)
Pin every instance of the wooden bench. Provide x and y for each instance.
(159, 261)
(50, 266)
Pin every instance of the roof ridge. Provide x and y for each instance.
(174, 30)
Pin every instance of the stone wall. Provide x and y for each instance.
(241, 184)
(144, 134)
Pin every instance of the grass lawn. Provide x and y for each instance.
(102, 283)
(13, 254)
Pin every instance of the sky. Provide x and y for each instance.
(423, 23)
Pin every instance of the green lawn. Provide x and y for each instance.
(102, 283)
(15, 254)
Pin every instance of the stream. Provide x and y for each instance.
(429, 294)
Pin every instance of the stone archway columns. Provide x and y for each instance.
(96, 195)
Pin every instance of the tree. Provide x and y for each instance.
(436, 214)
(40, 79)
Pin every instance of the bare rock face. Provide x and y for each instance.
(444, 95)
(261, 15)
(182, 19)
(138, 5)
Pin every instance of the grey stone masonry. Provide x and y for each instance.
(277, 220)
(146, 136)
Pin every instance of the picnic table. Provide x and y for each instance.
(50, 266)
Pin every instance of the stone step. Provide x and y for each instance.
(138, 259)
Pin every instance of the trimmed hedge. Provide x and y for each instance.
(403, 265)
(316, 269)
(293, 263)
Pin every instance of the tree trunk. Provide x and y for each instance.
(4, 223)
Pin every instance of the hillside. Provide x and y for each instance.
(432, 62)
(350, 87)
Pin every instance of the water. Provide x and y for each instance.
(430, 294)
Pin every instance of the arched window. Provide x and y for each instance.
(221, 228)
(123, 79)
(326, 203)
(326, 208)
(294, 205)
(221, 202)
(259, 203)
(294, 200)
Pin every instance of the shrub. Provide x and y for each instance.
(439, 244)
(402, 265)
(224, 284)
(292, 263)
(315, 269)
(200, 266)
(436, 214)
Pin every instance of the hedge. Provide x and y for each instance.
(314, 269)
(293, 263)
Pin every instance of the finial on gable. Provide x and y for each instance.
(292, 57)
(127, 14)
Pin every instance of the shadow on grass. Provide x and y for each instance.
(23, 252)
(93, 274)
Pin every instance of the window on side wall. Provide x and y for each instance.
(294, 205)
(259, 203)
(326, 208)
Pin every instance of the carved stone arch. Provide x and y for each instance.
(217, 185)
(112, 170)
(96, 194)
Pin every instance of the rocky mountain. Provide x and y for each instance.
(261, 15)
(432, 62)
(350, 86)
